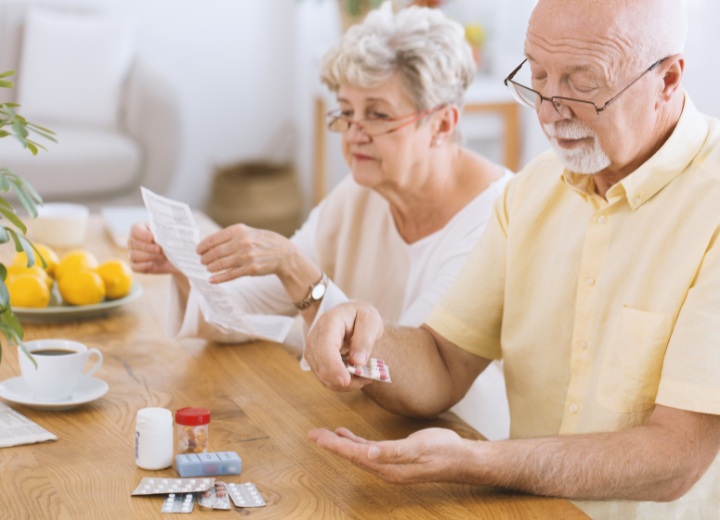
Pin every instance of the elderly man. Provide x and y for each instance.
(597, 282)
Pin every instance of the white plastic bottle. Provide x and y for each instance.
(154, 438)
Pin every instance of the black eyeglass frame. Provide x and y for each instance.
(555, 99)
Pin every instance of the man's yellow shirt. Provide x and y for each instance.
(603, 309)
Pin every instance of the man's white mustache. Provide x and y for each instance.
(568, 130)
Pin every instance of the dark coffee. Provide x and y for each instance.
(53, 352)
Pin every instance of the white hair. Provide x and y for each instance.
(427, 50)
(587, 159)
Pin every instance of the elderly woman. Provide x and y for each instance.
(396, 232)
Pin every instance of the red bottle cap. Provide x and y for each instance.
(192, 416)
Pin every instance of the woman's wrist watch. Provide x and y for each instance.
(316, 293)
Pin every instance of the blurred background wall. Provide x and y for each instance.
(246, 71)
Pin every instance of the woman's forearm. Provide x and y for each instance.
(297, 275)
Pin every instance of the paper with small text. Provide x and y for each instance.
(18, 430)
(174, 228)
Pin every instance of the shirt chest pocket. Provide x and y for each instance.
(632, 366)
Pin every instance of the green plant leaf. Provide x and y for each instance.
(12, 217)
(9, 319)
(4, 184)
(30, 356)
(20, 129)
(6, 74)
(6, 84)
(4, 237)
(25, 184)
(38, 132)
(3, 273)
(33, 125)
(5, 203)
(33, 146)
(38, 255)
(28, 249)
(18, 244)
(24, 199)
(4, 294)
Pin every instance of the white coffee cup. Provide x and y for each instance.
(61, 224)
(56, 376)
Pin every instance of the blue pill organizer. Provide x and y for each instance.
(202, 464)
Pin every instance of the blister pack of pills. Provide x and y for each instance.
(215, 498)
(245, 495)
(178, 503)
(165, 486)
(374, 369)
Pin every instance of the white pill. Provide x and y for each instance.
(151, 480)
(171, 495)
(188, 496)
(192, 481)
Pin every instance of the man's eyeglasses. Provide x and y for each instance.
(584, 110)
(374, 126)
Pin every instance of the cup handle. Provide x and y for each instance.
(99, 362)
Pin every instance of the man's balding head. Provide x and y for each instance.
(592, 50)
(637, 32)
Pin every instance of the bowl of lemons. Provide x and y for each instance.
(73, 287)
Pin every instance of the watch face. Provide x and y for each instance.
(318, 292)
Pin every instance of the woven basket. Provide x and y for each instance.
(261, 194)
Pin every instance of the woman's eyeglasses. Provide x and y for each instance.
(375, 126)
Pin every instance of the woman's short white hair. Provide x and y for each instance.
(428, 51)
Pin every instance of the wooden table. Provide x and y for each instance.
(262, 407)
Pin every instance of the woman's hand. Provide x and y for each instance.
(240, 250)
(145, 255)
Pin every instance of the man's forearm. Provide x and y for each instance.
(643, 463)
(421, 384)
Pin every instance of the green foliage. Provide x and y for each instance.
(11, 227)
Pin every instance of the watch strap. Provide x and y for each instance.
(309, 299)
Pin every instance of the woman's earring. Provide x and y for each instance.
(438, 142)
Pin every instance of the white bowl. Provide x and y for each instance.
(60, 224)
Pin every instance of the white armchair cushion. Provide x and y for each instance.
(84, 163)
(73, 66)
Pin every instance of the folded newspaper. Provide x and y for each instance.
(175, 230)
(17, 430)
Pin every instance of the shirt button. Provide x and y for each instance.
(602, 219)
(583, 345)
(573, 408)
(637, 200)
(590, 281)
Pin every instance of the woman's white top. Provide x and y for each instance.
(351, 235)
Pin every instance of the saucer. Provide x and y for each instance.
(16, 391)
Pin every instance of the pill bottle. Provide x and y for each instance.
(154, 438)
(192, 430)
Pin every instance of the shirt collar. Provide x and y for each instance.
(672, 158)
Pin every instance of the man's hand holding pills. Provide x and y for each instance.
(353, 327)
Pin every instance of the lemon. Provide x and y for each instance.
(117, 277)
(74, 261)
(83, 287)
(15, 272)
(28, 291)
(50, 257)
